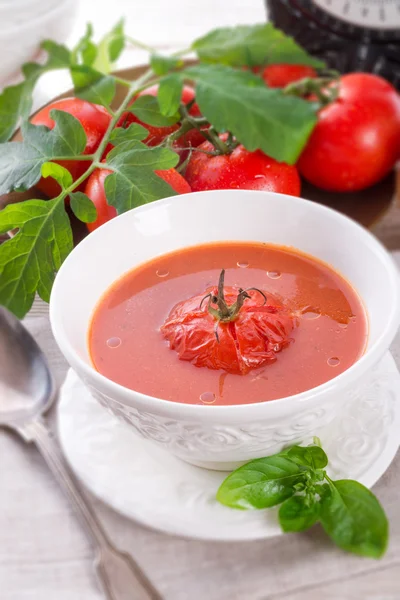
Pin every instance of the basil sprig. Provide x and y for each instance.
(296, 479)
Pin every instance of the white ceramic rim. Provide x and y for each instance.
(190, 411)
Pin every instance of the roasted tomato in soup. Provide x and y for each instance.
(94, 119)
(272, 323)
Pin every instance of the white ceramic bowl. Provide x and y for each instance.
(222, 436)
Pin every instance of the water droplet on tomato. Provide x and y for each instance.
(114, 342)
(342, 325)
(334, 361)
(162, 273)
(242, 265)
(274, 274)
(353, 319)
(208, 397)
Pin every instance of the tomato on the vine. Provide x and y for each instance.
(158, 134)
(356, 141)
(240, 169)
(94, 119)
(95, 190)
(279, 76)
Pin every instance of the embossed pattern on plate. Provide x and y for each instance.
(150, 485)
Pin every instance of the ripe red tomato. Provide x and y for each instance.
(94, 119)
(356, 141)
(279, 76)
(240, 170)
(158, 134)
(95, 190)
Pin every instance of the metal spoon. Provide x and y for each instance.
(27, 391)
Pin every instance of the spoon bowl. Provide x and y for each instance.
(26, 385)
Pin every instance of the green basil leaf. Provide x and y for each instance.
(133, 181)
(169, 94)
(93, 86)
(252, 45)
(259, 117)
(57, 172)
(147, 109)
(354, 519)
(134, 132)
(82, 207)
(30, 259)
(21, 162)
(161, 65)
(298, 513)
(312, 456)
(260, 483)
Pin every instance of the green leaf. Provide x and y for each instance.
(16, 101)
(110, 48)
(312, 456)
(161, 65)
(85, 50)
(147, 109)
(169, 94)
(298, 513)
(93, 86)
(259, 117)
(30, 259)
(260, 483)
(133, 181)
(353, 517)
(57, 172)
(252, 45)
(82, 207)
(133, 133)
(21, 162)
(12, 101)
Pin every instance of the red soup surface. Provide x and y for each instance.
(148, 332)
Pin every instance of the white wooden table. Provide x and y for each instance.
(44, 554)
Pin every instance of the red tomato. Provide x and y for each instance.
(94, 119)
(279, 76)
(356, 141)
(105, 212)
(242, 170)
(158, 134)
(249, 341)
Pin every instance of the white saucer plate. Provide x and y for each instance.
(151, 486)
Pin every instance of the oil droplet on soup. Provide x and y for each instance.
(274, 274)
(113, 342)
(208, 397)
(329, 336)
(162, 273)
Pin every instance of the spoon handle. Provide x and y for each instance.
(121, 577)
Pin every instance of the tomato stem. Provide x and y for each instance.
(225, 313)
(326, 89)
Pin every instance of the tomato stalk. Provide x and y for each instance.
(326, 89)
(225, 313)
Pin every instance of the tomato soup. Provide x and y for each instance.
(299, 324)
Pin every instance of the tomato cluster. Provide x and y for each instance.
(355, 143)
